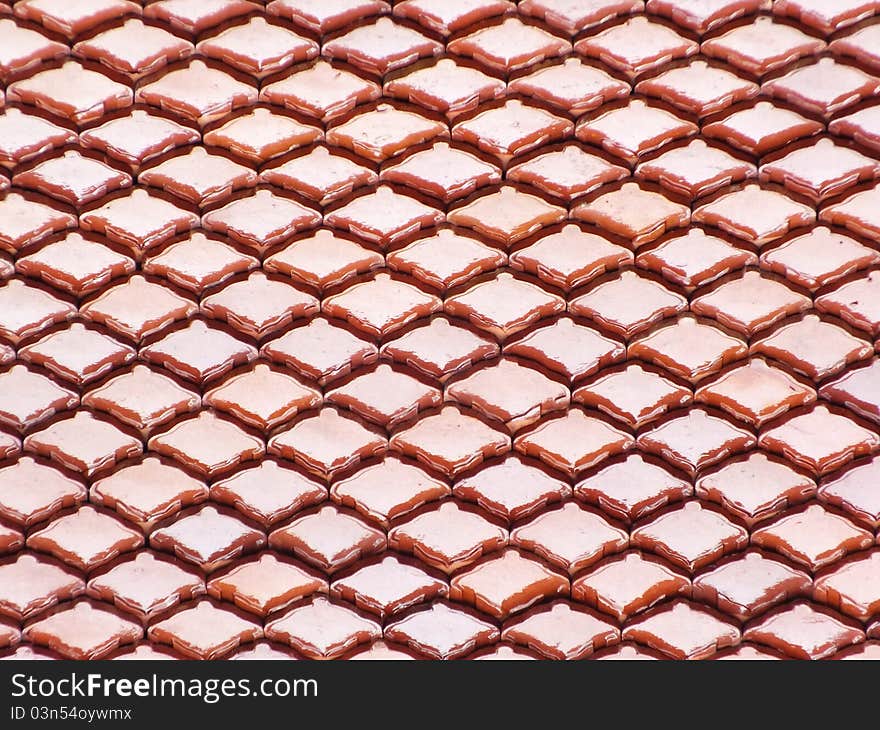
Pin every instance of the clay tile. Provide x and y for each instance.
(142, 398)
(448, 537)
(450, 441)
(199, 353)
(689, 349)
(633, 488)
(444, 172)
(446, 87)
(852, 587)
(327, 443)
(198, 263)
(265, 584)
(384, 132)
(7, 268)
(146, 586)
(803, 632)
(855, 302)
(571, 537)
(560, 631)
(507, 216)
(682, 631)
(512, 489)
(509, 46)
(31, 585)
(439, 349)
(48, 492)
(23, 48)
(755, 392)
(573, 86)
(442, 632)
(199, 177)
(572, 16)
(85, 539)
(445, 259)
(328, 539)
(25, 136)
(195, 16)
(863, 126)
(385, 396)
(258, 48)
(148, 492)
(506, 584)
(11, 541)
(75, 265)
(261, 220)
(73, 178)
(818, 258)
(509, 392)
(568, 173)
(261, 135)
(699, 88)
(854, 493)
(134, 48)
(750, 304)
(865, 651)
(504, 305)
(762, 46)
(860, 46)
(813, 537)
(324, 16)
(207, 444)
(627, 585)
(83, 631)
(206, 631)
(77, 354)
(141, 652)
(26, 310)
(633, 130)
(857, 390)
(320, 351)
(445, 17)
(7, 354)
(381, 47)
(762, 128)
(268, 492)
(323, 630)
(695, 258)
(381, 305)
(74, 17)
(703, 16)
(320, 175)
(637, 46)
(820, 440)
(512, 129)
(823, 88)
(321, 91)
(138, 220)
(71, 92)
(824, 16)
(263, 650)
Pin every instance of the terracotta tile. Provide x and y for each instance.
(762, 128)
(134, 48)
(265, 584)
(320, 91)
(320, 175)
(701, 17)
(573, 442)
(323, 630)
(195, 16)
(328, 539)
(853, 492)
(381, 47)
(25, 222)
(48, 492)
(865, 651)
(442, 632)
(384, 132)
(572, 16)
(634, 396)
(264, 650)
(11, 541)
(261, 135)
(747, 652)
(852, 587)
(448, 537)
(509, 46)
(259, 48)
(206, 631)
(755, 487)
(327, 443)
(512, 489)
(628, 652)
(27, 310)
(321, 351)
(141, 652)
(322, 17)
(146, 586)
(748, 585)
(572, 86)
(85, 539)
(682, 631)
(148, 492)
(860, 46)
(862, 126)
(567, 173)
(83, 631)
(388, 490)
(630, 489)
(25, 136)
(446, 87)
(73, 178)
(823, 88)
(24, 48)
(562, 632)
(449, 17)
(268, 492)
(198, 353)
(699, 88)
(32, 584)
(857, 390)
(803, 631)
(820, 440)
(855, 303)
(825, 17)
(507, 216)
(199, 177)
(571, 537)
(627, 585)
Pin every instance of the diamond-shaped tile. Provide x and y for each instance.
(442, 631)
(560, 631)
(854, 493)
(857, 390)
(24, 48)
(762, 128)
(384, 132)
(206, 631)
(83, 631)
(381, 47)
(824, 87)
(852, 587)
(73, 178)
(567, 173)
(509, 46)
(682, 631)
(25, 136)
(27, 398)
(48, 492)
(803, 631)
(261, 135)
(855, 302)
(32, 584)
